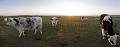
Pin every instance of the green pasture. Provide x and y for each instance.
(70, 32)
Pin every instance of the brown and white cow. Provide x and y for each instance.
(107, 29)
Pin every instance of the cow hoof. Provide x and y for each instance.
(19, 36)
(112, 45)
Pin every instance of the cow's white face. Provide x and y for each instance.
(11, 22)
(54, 21)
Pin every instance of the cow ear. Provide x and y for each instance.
(16, 20)
(117, 34)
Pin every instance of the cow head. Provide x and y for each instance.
(102, 17)
(12, 22)
(54, 21)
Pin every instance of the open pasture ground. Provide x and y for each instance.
(70, 32)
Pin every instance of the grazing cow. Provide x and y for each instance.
(54, 21)
(107, 30)
(29, 23)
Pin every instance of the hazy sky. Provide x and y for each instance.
(59, 7)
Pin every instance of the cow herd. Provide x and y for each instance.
(35, 23)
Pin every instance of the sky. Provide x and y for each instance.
(59, 7)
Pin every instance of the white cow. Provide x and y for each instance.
(54, 21)
(29, 23)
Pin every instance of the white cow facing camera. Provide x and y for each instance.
(54, 21)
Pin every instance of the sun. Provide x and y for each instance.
(67, 8)
(70, 15)
(71, 8)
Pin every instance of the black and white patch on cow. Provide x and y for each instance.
(29, 23)
(107, 30)
(54, 21)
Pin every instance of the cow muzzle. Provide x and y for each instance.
(53, 23)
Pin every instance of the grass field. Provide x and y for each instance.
(70, 32)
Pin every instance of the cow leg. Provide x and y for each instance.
(111, 42)
(41, 31)
(23, 33)
(20, 33)
(40, 28)
(103, 33)
(114, 43)
(35, 31)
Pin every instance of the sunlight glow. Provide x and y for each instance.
(71, 8)
(68, 8)
(59, 7)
